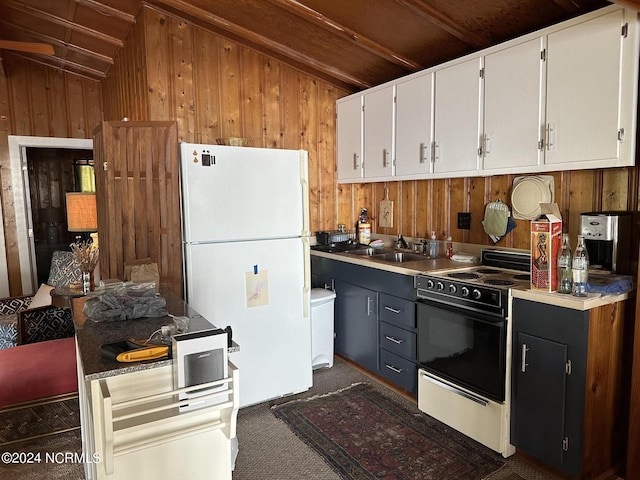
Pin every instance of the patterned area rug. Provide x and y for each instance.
(38, 419)
(365, 435)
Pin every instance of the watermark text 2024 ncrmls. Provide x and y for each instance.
(72, 457)
(49, 457)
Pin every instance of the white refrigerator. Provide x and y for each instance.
(245, 214)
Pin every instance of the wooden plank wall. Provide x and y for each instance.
(214, 87)
(38, 101)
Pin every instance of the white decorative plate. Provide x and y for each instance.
(527, 194)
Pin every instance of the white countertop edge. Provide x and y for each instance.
(593, 300)
(407, 268)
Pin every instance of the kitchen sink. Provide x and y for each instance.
(369, 251)
(400, 257)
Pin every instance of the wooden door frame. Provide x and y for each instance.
(22, 208)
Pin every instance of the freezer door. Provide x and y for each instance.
(238, 193)
(260, 289)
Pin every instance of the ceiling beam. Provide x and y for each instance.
(107, 10)
(61, 64)
(59, 43)
(312, 16)
(47, 17)
(182, 8)
(432, 14)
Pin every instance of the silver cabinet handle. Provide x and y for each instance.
(368, 306)
(523, 360)
(392, 310)
(462, 393)
(550, 136)
(386, 155)
(356, 161)
(436, 152)
(392, 339)
(393, 369)
(424, 153)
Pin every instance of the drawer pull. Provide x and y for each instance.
(392, 339)
(392, 310)
(392, 368)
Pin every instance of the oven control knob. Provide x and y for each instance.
(430, 284)
(440, 286)
(453, 288)
(465, 291)
(476, 294)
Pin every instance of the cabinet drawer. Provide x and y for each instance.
(398, 370)
(398, 341)
(397, 311)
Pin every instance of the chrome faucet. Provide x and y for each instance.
(424, 246)
(401, 242)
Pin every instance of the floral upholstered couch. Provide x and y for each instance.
(37, 344)
(32, 318)
(23, 320)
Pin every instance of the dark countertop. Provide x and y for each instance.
(90, 335)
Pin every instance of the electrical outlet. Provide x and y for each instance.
(464, 220)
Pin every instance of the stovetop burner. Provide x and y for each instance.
(463, 275)
(488, 271)
(498, 282)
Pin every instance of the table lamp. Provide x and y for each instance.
(81, 212)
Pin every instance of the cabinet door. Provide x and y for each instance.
(349, 138)
(356, 324)
(138, 198)
(583, 91)
(538, 397)
(378, 133)
(457, 119)
(414, 113)
(513, 108)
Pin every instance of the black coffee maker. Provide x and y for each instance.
(607, 236)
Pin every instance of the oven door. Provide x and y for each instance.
(465, 348)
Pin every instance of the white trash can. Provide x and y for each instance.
(322, 327)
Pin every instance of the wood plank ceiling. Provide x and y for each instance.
(355, 44)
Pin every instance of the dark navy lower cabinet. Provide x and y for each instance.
(374, 318)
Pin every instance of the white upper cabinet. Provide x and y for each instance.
(513, 108)
(378, 133)
(349, 138)
(562, 98)
(457, 119)
(414, 121)
(584, 80)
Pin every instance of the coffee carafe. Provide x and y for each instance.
(607, 236)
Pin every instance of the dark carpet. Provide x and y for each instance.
(41, 440)
(37, 419)
(363, 434)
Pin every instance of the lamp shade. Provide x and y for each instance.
(81, 212)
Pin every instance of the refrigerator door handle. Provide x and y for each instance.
(304, 182)
(306, 289)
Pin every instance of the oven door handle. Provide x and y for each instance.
(455, 390)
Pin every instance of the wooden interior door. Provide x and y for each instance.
(138, 198)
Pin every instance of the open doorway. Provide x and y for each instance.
(22, 198)
(52, 172)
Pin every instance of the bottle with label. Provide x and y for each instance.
(449, 248)
(580, 269)
(433, 246)
(564, 266)
(363, 228)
